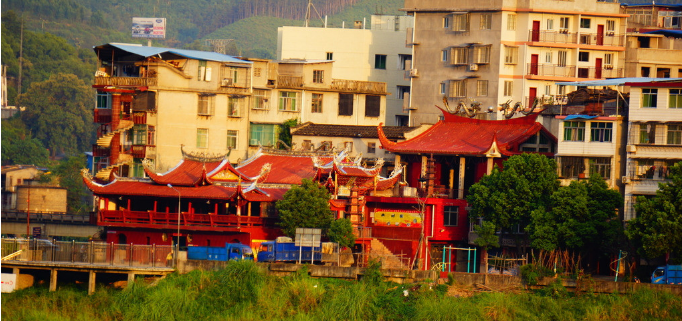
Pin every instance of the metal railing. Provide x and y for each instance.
(52, 217)
(91, 253)
(125, 81)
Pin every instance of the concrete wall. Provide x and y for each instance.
(42, 199)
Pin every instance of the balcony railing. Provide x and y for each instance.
(125, 81)
(553, 36)
(102, 115)
(356, 86)
(187, 220)
(601, 39)
(289, 81)
(551, 70)
(140, 118)
(600, 73)
(138, 151)
(98, 151)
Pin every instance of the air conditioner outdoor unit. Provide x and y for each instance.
(631, 149)
(414, 73)
(226, 82)
(473, 67)
(625, 180)
(610, 33)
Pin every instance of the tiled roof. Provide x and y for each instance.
(311, 129)
(457, 135)
(286, 169)
(187, 173)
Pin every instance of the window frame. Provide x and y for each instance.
(260, 99)
(674, 134)
(380, 61)
(675, 98)
(347, 109)
(585, 23)
(574, 131)
(285, 102)
(601, 165)
(202, 137)
(371, 148)
(482, 54)
(482, 88)
(206, 103)
(316, 103)
(486, 21)
(511, 55)
(459, 55)
(232, 138)
(233, 107)
(511, 22)
(105, 98)
(508, 88)
(650, 98)
(458, 88)
(318, 76)
(372, 106)
(584, 56)
(460, 22)
(450, 212)
(601, 132)
(261, 130)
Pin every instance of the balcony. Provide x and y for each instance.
(125, 81)
(601, 39)
(188, 221)
(98, 151)
(600, 73)
(553, 36)
(102, 116)
(360, 87)
(550, 70)
(139, 118)
(289, 82)
(138, 151)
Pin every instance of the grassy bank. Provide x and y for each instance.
(243, 292)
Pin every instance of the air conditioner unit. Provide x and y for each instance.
(414, 72)
(226, 82)
(631, 149)
(253, 142)
(610, 33)
(625, 180)
(473, 67)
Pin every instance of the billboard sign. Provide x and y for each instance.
(149, 27)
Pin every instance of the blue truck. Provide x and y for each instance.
(231, 251)
(667, 274)
(283, 249)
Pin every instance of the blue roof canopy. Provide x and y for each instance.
(613, 81)
(159, 51)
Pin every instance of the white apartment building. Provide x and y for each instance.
(376, 54)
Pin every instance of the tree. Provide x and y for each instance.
(18, 147)
(657, 229)
(67, 173)
(341, 231)
(508, 197)
(306, 205)
(285, 132)
(59, 114)
(487, 239)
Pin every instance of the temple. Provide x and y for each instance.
(405, 217)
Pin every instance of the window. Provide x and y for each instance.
(446, 22)
(548, 57)
(486, 21)
(574, 131)
(563, 24)
(647, 133)
(649, 98)
(151, 139)
(481, 88)
(307, 145)
(675, 134)
(318, 76)
(202, 137)
(511, 22)
(583, 56)
(608, 60)
(372, 106)
(316, 106)
(233, 107)
(139, 134)
(405, 62)
(645, 168)
(645, 71)
(371, 148)
(601, 131)
(263, 135)
(460, 22)
(443, 88)
(610, 26)
(201, 72)
(511, 54)
(287, 101)
(232, 139)
(256, 72)
(330, 56)
(260, 100)
(403, 91)
(561, 58)
(379, 61)
(536, 143)
(444, 55)
(482, 54)
(601, 165)
(348, 146)
(345, 104)
(585, 23)
(205, 105)
(458, 88)
(459, 55)
(548, 90)
(550, 24)
(571, 167)
(508, 87)
(450, 215)
(675, 98)
(103, 100)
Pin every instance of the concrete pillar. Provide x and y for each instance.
(15, 271)
(131, 279)
(53, 280)
(489, 168)
(91, 282)
(462, 169)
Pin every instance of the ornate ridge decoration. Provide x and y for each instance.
(147, 163)
(293, 152)
(264, 171)
(397, 170)
(204, 156)
(86, 174)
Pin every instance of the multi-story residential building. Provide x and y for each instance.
(588, 145)
(374, 54)
(649, 15)
(654, 137)
(653, 55)
(151, 101)
(502, 51)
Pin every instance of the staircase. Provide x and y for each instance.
(123, 125)
(388, 259)
(123, 159)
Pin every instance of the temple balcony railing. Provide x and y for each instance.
(187, 220)
(102, 115)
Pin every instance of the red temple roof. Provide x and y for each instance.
(187, 173)
(286, 169)
(458, 135)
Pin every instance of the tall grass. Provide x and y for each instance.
(242, 291)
